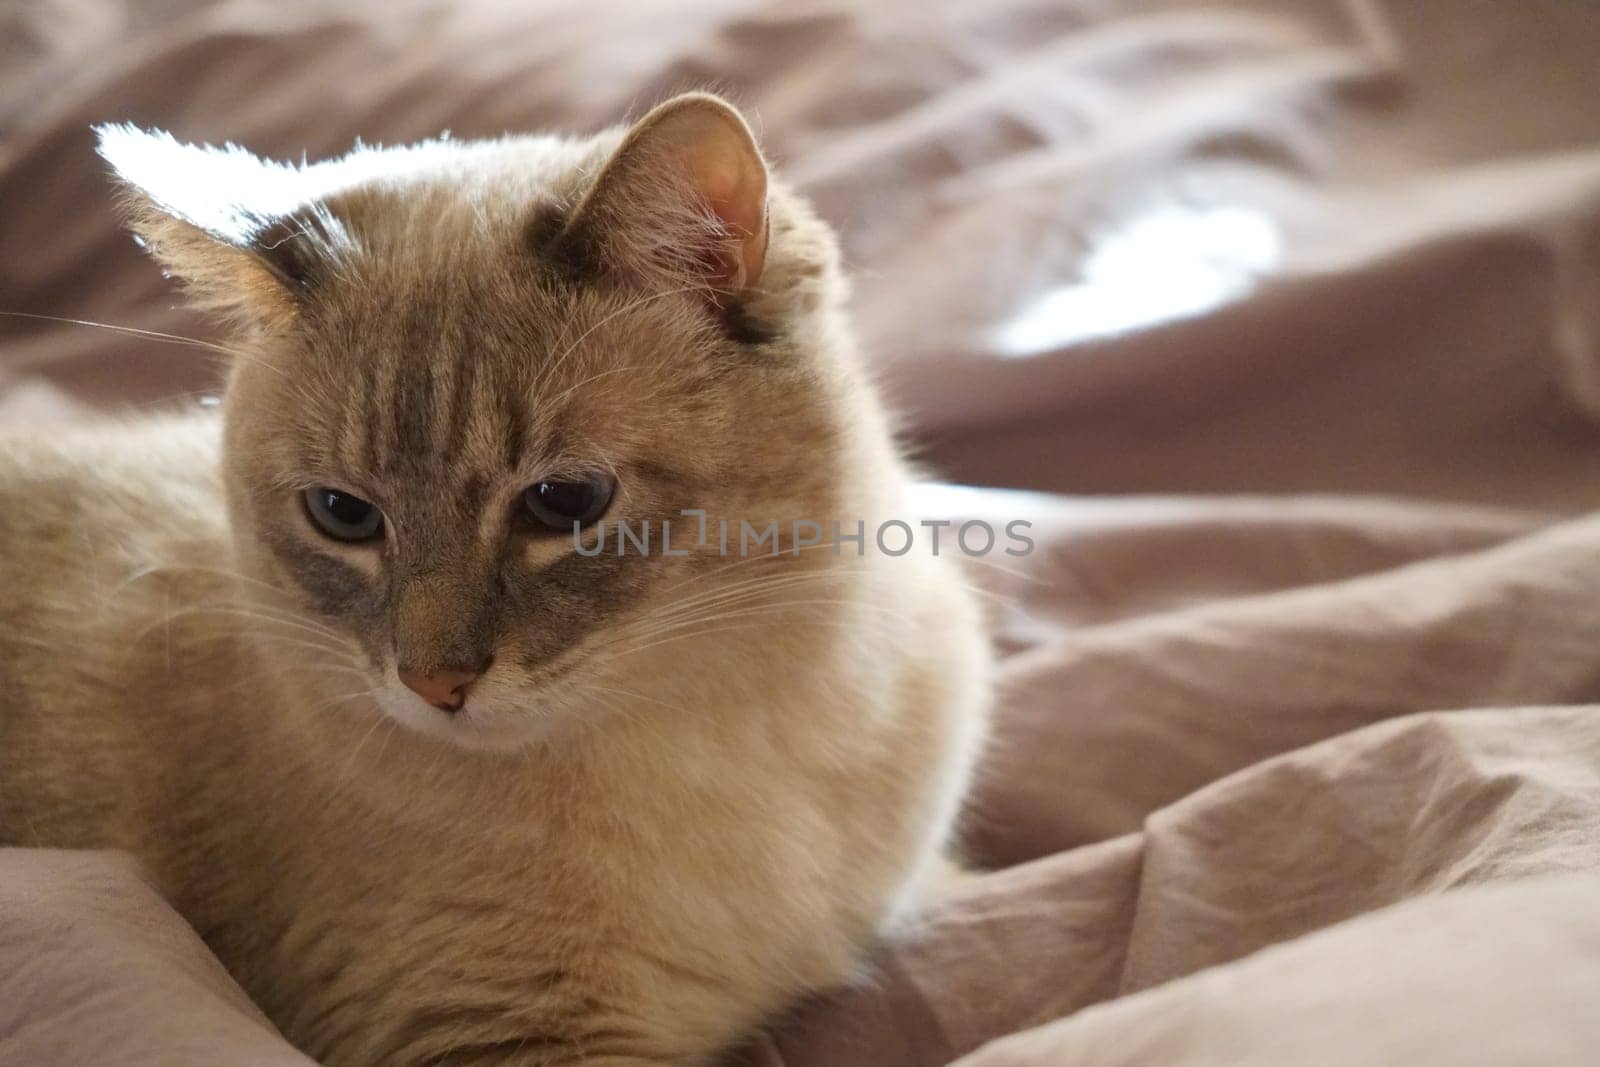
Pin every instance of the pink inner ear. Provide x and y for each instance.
(735, 187)
(687, 157)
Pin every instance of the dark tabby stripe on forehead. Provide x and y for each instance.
(358, 429)
(380, 424)
(514, 430)
(425, 393)
(456, 417)
(411, 393)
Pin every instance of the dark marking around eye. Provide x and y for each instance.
(558, 605)
(334, 586)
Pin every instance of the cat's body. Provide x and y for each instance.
(717, 795)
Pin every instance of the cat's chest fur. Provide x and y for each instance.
(651, 919)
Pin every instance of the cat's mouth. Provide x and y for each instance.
(478, 725)
(500, 711)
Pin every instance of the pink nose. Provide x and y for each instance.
(445, 690)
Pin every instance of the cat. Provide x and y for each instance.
(438, 782)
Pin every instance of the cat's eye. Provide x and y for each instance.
(343, 516)
(559, 505)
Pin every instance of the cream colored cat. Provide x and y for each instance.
(437, 786)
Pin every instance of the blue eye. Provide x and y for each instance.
(342, 516)
(559, 505)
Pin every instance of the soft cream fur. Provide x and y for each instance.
(635, 850)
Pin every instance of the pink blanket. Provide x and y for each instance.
(1308, 778)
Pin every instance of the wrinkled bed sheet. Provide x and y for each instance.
(1305, 778)
(1246, 827)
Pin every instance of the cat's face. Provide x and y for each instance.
(460, 377)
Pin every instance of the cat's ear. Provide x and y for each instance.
(238, 231)
(681, 202)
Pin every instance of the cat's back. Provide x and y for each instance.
(86, 505)
(99, 525)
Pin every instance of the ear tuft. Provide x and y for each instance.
(682, 201)
(243, 234)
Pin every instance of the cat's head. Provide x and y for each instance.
(449, 354)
